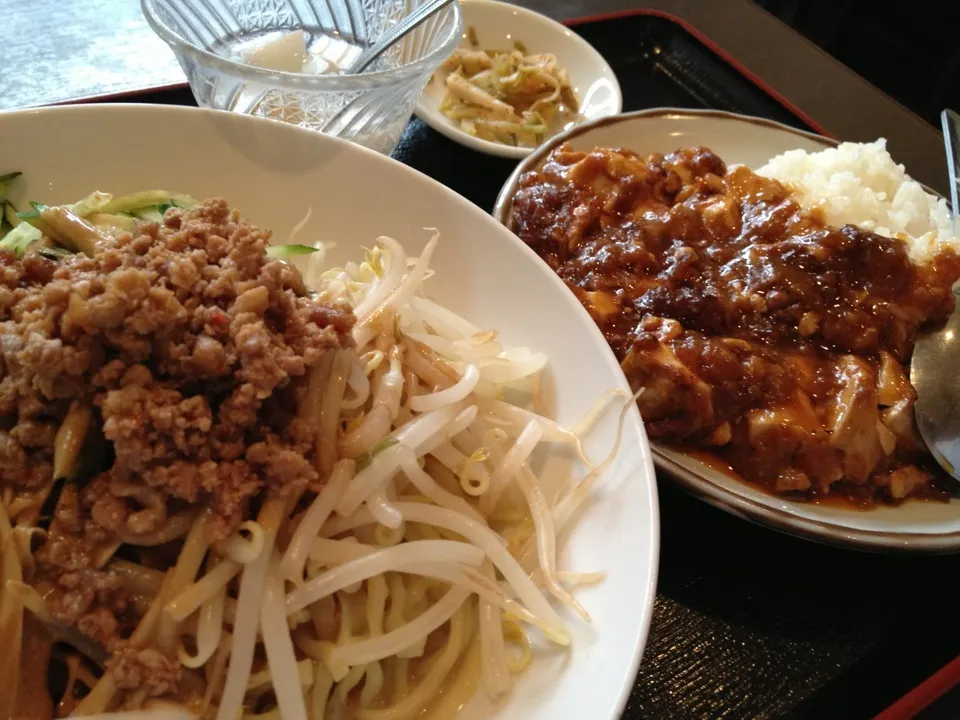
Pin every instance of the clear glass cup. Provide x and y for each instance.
(209, 38)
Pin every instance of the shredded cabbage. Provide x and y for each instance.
(510, 97)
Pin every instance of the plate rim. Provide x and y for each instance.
(877, 541)
(488, 147)
(617, 702)
(504, 202)
(701, 486)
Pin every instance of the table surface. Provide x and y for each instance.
(733, 600)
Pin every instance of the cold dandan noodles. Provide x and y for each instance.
(228, 492)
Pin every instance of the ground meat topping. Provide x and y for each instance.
(147, 671)
(189, 343)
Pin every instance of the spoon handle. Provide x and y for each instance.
(950, 122)
(408, 23)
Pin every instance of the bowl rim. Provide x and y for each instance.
(640, 643)
(423, 66)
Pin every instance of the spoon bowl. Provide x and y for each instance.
(938, 393)
(937, 353)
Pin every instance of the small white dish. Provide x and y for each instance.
(917, 526)
(273, 172)
(499, 25)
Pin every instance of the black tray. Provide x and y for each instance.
(748, 623)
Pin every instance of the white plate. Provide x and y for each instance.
(274, 172)
(915, 526)
(498, 26)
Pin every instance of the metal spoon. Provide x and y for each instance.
(409, 23)
(936, 356)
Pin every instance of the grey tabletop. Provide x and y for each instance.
(104, 47)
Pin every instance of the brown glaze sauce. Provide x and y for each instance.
(759, 333)
(842, 494)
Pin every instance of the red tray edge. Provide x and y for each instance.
(924, 694)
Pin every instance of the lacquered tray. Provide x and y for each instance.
(749, 623)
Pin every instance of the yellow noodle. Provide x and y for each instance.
(261, 680)
(415, 603)
(216, 671)
(515, 636)
(70, 436)
(33, 700)
(443, 662)
(460, 685)
(417, 588)
(30, 600)
(209, 631)
(18, 505)
(372, 684)
(147, 627)
(11, 616)
(312, 648)
(188, 564)
(398, 598)
(193, 596)
(330, 411)
(77, 671)
(22, 537)
(310, 405)
(324, 615)
(105, 555)
(401, 680)
(101, 696)
(137, 578)
(337, 704)
(376, 604)
(320, 692)
(346, 618)
(175, 527)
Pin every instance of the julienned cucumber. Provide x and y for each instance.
(21, 237)
(148, 198)
(10, 214)
(150, 214)
(284, 251)
(32, 214)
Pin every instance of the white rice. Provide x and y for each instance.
(860, 184)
